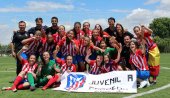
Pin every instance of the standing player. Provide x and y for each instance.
(60, 34)
(54, 28)
(48, 45)
(111, 30)
(154, 54)
(96, 39)
(33, 44)
(86, 29)
(85, 45)
(120, 33)
(16, 44)
(101, 32)
(39, 27)
(79, 34)
(69, 46)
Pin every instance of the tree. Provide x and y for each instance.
(5, 49)
(161, 27)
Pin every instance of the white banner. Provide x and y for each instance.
(116, 81)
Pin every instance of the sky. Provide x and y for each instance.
(127, 12)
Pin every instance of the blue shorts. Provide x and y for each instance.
(93, 56)
(23, 81)
(80, 58)
(59, 54)
(143, 74)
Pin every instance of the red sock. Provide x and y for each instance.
(51, 81)
(17, 81)
(20, 87)
(154, 78)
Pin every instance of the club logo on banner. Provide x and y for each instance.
(75, 81)
(115, 81)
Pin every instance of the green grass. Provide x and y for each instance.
(8, 64)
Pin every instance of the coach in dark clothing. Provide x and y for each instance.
(16, 44)
(111, 30)
(39, 27)
(54, 28)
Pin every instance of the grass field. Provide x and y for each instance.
(7, 73)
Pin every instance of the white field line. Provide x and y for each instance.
(148, 92)
(165, 68)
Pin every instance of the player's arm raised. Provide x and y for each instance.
(19, 53)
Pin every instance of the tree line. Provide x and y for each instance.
(161, 33)
(5, 50)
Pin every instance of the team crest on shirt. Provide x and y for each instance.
(75, 81)
(26, 35)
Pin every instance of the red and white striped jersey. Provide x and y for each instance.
(149, 41)
(68, 49)
(111, 66)
(79, 34)
(47, 47)
(43, 39)
(89, 34)
(94, 68)
(83, 48)
(57, 37)
(33, 47)
(26, 67)
(138, 60)
(64, 66)
(97, 41)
